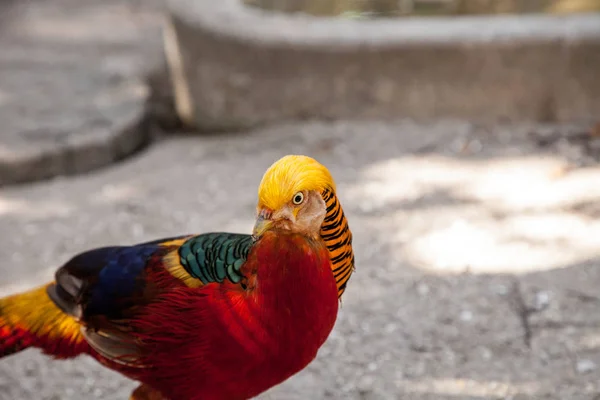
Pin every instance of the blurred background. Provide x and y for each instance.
(397, 8)
(464, 137)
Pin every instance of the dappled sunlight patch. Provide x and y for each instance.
(409, 177)
(523, 182)
(560, 228)
(505, 214)
(11, 206)
(117, 192)
(518, 244)
(514, 181)
(536, 185)
(468, 387)
(33, 209)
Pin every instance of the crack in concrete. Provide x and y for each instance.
(524, 312)
(552, 324)
(518, 304)
(583, 297)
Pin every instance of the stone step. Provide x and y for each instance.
(72, 87)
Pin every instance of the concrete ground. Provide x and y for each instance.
(477, 254)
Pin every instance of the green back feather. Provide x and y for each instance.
(213, 257)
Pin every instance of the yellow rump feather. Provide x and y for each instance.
(173, 265)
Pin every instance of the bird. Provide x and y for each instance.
(212, 316)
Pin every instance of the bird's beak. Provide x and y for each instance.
(261, 225)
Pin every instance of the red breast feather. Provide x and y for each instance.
(222, 341)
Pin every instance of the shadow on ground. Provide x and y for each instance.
(478, 255)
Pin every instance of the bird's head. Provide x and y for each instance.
(289, 196)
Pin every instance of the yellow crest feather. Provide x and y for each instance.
(289, 175)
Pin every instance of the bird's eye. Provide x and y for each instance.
(298, 198)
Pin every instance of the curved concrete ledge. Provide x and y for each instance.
(72, 93)
(235, 66)
(81, 145)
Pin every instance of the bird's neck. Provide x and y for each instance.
(296, 293)
(338, 239)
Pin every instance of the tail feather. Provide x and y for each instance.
(13, 339)
(31, 319)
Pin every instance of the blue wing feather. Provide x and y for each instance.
(104, 281)
(119, 279)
